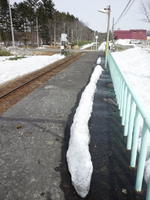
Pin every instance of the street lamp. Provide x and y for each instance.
(11, 23)
(106, 11)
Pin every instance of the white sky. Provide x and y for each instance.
(87, 11)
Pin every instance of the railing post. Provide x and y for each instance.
(122, 99)
(135, 141)
(131, 118)
(120, 93)
(142, 158)
(127, 115)
(148, 190)
(124, 106)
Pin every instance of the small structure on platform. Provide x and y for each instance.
(64, 43)
(130, 34)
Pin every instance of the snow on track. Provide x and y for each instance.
(78, 155)
(11, 69)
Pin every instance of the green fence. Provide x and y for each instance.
(134, 119)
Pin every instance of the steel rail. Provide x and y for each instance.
(67, 60)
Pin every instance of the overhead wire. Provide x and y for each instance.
(129, 7)
(125, 10)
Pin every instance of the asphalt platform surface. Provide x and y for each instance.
(34, 137)
(32, 134)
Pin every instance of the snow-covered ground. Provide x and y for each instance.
(87, 46)
(123, 42)
(78, 156)
(11, 69)
(135, 65)
(4, 58)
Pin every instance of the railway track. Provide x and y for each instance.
(15, 90)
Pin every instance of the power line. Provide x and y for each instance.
(129, 7)
(125, 10)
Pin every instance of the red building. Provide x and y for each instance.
(130, 34)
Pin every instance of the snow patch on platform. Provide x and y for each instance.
(99, 61)
(102, 46)
(78, 155)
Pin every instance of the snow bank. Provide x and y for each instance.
(11, 69)
(87, 46)
(134, 64)
(98, 61)
(78, 156)
(4, 58)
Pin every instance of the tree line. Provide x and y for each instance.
(30, 15)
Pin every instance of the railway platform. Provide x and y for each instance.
(34, 137)
(32, 134)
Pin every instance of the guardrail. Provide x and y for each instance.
(135, 120)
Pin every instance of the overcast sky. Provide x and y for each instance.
(87, 11)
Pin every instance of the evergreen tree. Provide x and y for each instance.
(51, 23)
(45, 15)
(4, 21)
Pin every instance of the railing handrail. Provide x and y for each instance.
(144, 114)
(132, 112)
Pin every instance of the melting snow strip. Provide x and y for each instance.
(78, 155)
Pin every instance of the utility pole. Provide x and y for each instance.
(108, 9)
(37, 31)
(11, 23)
(113, 23)
(54, 32)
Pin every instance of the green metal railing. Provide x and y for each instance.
(134, 119)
